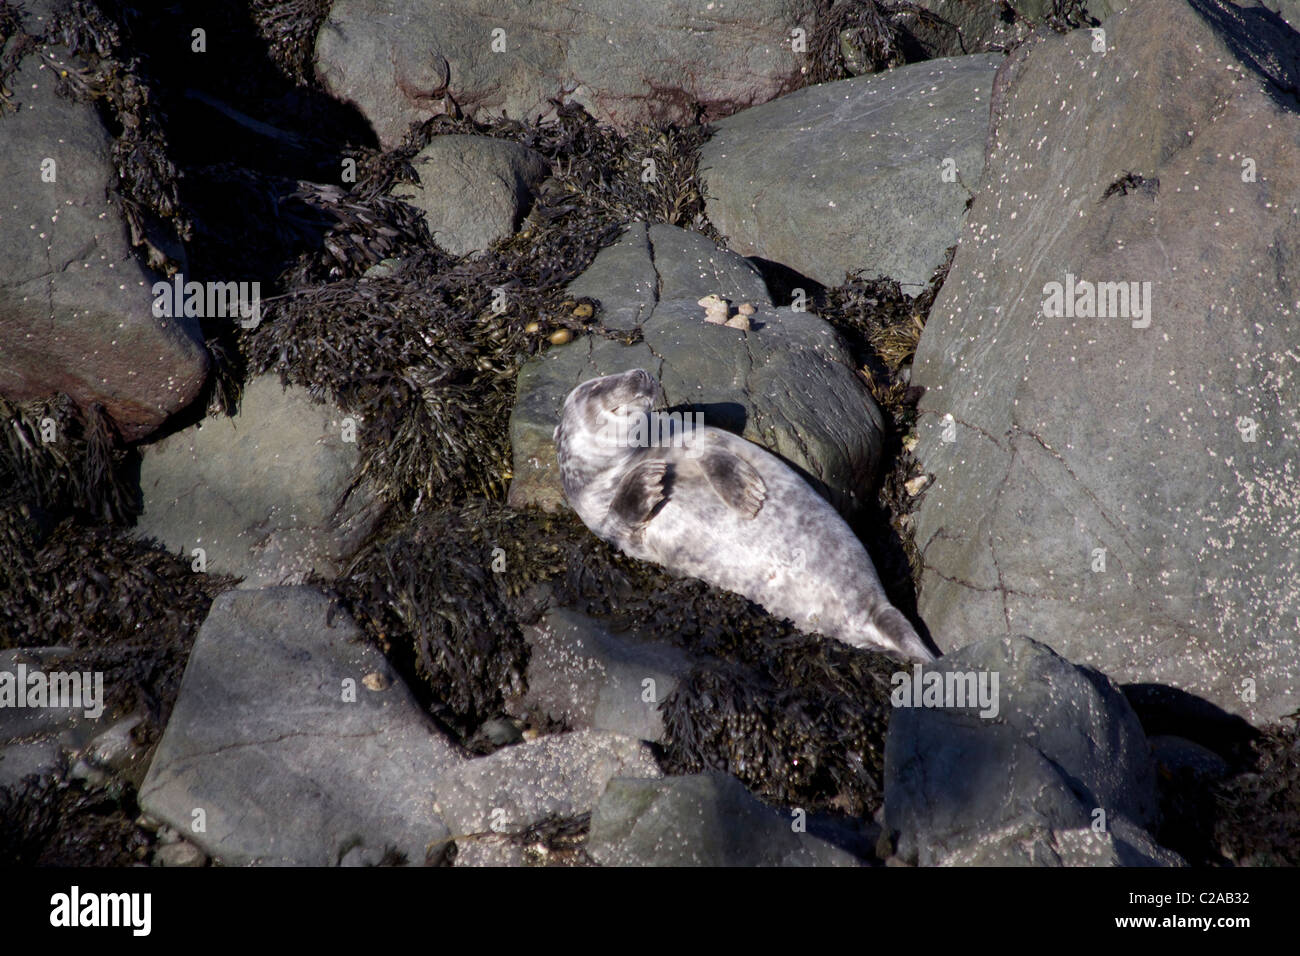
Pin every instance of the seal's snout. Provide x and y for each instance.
(642, 383)
(634, 386)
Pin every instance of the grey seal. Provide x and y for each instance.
(703, 502)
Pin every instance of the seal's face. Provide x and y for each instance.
(598, 418)
(605, 408)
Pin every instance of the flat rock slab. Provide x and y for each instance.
(258, 492)
(1048, 747)
(1120, 481)
(585, 677)
(558, 776)
(788, 384)
(699, 820)
(473, 190)
(397, 60)
(850, 175)
(75, 304)
(284, 769)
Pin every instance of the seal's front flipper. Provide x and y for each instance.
(641, 493)
(735, 480)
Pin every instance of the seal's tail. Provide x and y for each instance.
(890, 629)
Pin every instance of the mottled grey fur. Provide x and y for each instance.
(721, 509)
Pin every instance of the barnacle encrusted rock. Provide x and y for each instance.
(1122, 483)
(75, 303)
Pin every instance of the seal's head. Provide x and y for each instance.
(606, 407)
(600, 421)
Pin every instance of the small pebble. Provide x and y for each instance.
(916, 485)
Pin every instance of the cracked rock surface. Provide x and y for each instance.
(1022, 782)
(850, 175)
(285, 769)
(788, 384)
(75, 304)
(1128, 492)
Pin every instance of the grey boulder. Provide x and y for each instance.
(554, 777)
(293, 743)
(705, 819)
(398, 61)
(473, 190)
(75, 304)
(582, 676)
(871, 173)
(1054, 752)
(264, 494)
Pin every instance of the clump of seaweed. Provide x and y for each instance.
(54, 821)
(866, 25)
(799, 720)
(1067, 15)
(853, 37)
(122, 608)
(1257, 812)
(426, 356)
(289, 28)
(443, 597)
(882, 326)
(60, 459)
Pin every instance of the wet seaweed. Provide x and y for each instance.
(121, 607)
(1067, 15)
(289, 28)
(60, 459)
(426, 356)
(799, 719)
(1257, 812)
(54, 821)
(853, 37)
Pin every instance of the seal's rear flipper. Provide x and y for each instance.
(890, 629)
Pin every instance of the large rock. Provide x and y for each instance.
(1041, 754)
(1097, 485)
(75, 304)
(395, 60)
(552, 777)
(473, 189)
(285, 767)
(583, 676)
(788, 384)
(260, 493)
(850, 175)
(707, 819)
